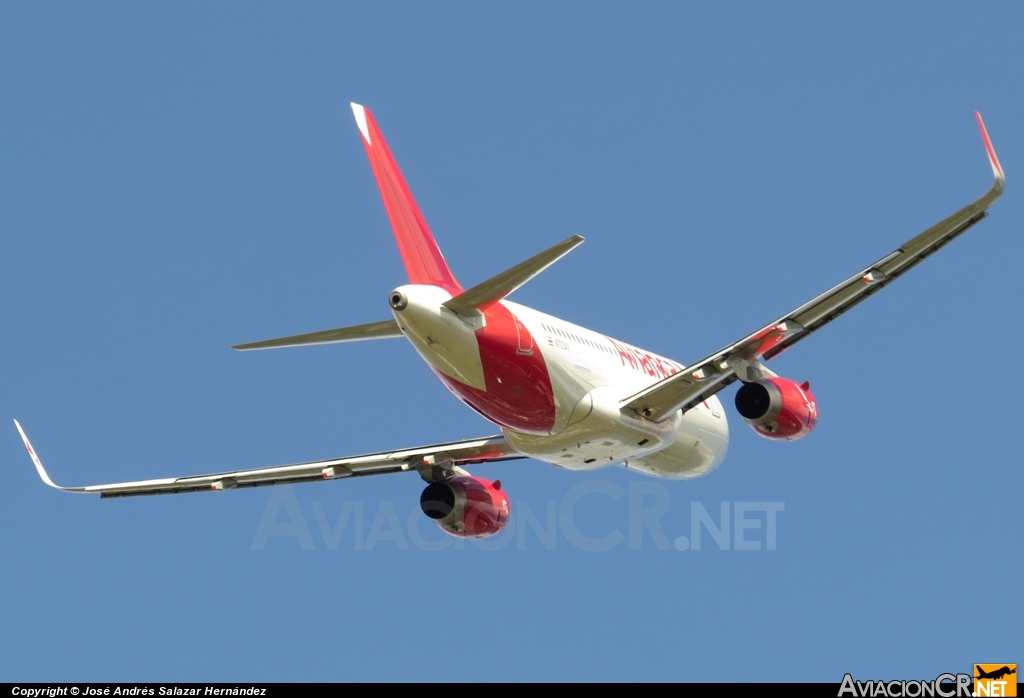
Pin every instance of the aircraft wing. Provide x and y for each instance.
(686, 389)
(449, 455)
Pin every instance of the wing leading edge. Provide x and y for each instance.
(739, 361)
(450, 456)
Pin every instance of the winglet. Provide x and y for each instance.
(997, 169)
(35, 459)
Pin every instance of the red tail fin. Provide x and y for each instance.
(423, 260)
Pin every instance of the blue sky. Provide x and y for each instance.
(180, 177)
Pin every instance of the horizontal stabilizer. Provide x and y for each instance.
(356, 333)
(497, 287)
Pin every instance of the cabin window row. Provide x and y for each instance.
(582, 340)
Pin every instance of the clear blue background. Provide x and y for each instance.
(175, 178)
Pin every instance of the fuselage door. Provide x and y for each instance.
(525, 339)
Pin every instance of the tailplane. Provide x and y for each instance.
(423, 259)
(356, 333)
(497, 287)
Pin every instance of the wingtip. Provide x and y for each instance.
(35, 459)
(359, 111)
(997, 169)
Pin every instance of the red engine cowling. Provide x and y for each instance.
(778, 408)
(466, 507)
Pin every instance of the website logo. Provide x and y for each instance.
(989, 680)
(995, 680)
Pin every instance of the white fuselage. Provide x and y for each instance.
(590, 376)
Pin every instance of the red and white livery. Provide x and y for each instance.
(559, 392)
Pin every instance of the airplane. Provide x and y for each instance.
(996, 674)
(560, 393)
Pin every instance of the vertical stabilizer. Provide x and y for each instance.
(423, 259)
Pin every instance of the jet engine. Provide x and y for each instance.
(466, 507)
(778, 408)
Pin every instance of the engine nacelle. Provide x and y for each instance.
(466, 507)
(778, 408)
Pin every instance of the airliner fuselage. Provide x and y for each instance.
(556, 388)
